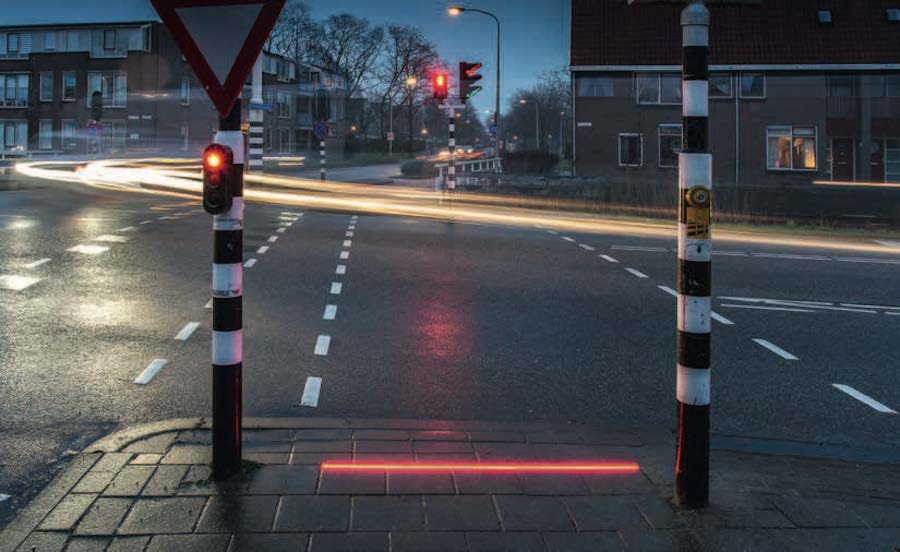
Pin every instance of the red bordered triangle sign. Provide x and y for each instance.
(221, 40)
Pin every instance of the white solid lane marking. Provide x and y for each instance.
(111, 239)
(639, 248)
(36, 264)
(637, 273)
(336, 288)
(88, 249)
(262, 249)
(862, 397)
(791, 257)
(721, 319)
(345, 255)
(760, 300)
(608, 259)
(892, 313)
(281, 230)
(208, 305)
(273, 239)
(126, 229)
(349, 234)
(322, 345)
(864, 260)
(854, 305)
(586, 247)
(341, 269)
(17, 283)
(755, 307)
(250, 263)
(669, 290)
(568, 239)
(150, 371)
(311, 392)
(730, 253)
(776, 349)
(554, 232)
(146, 222)
(887, 243)
(330, 312)
(348, 243)
(187, 331)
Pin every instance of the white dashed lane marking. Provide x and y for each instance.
(776, 349)
(146, 222)
(341, 269)
(150, 371)
(126, 229)
(322, 345)
(311, 392)
(208, 305)
(336, 288)
(586, 247)
(111, 239)
(187, 331)
(348, 243)
(349, 234)
(330, 312)
(273, 239)
(250, 263)
(721, 319)
(38, 263)
(345, 255)
(568, 239)
(88, 249)
(262, 249)
(865, 399)
(637, 273)
(609, 259)
(281, 230)
(669, 290)
(17, 283)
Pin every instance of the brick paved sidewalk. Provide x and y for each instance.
(149, 489)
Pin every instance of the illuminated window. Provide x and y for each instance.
(791, 148)
(631, 150)
(113, 87)
(669, 145)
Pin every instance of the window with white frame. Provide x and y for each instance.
(113, 86)
(69, 84)
(753, 85)
(669, 145)
(46, 86)
(69, 127)
(14, 135)
(631, 150)
(284, 139)
(185, 91)
(14, 90)
(49, 40)
(45, 134)
(658, 88)
(791, 148)
(109, 40)
(720, 85)
(595, 87)
(284, 106)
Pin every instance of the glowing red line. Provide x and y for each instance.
(601, 467)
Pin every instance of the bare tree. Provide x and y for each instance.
(292, 34)
(347, 45)
(553, 96)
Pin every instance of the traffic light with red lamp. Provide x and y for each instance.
(440, 85)
(468, 76)
(219, 174)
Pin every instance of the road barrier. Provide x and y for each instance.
(464, 168)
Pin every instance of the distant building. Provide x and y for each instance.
(800, 91)
(151, 100)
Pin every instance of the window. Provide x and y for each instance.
(68, 134)
(892, 160)
(631, 150)
(720, 85)
(109, 40)
(69, 84)
(113, 87)
(46, 86)
(658, 88)
(12, 43)
(824, 17)
(185, 91)
(892, 86)
(45, 136)
(841, 86)
(13, 135)
(14, 90)
(284, 137)
(185, 136)
(669, 145)
(594, 87)
(284, 106)
(791, 148)
(753, 85)
(50, 40)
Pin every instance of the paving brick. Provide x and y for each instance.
(345, 483)
(129, 481)
(552, 452)
(617, 484)
(556, 437)
(128, 544)
(553, 484)
(349, 542)
(157, 444)
(238, 514)
(497, 436)
(533, 513)
(481, 483)
(146, 459)
(456, 457)
(323, 446)
(153, 516)
(194, 437)
(264, 446)
(381, 435)
(461, 513)
(438, 436)
(505, 542)
(164, 481)
(387, 513)
(103, 517)
(87, 544)
(877, 514)
(378, 457)
(666, 541)
(267, 458)
(44, 541)
(317, 458)
(817, 512)
(267, 435)
(322, 435)
(583, 542)
(296, 542)
(188, 454)
(112, 461)
(282, 480)
(67, 513)
(314, 514)
(605, 513)
(379, 447)
(193, 543)
(442, 447)
(94, 482)
(428, 542)
(500, 452)
(658, 512)
(420, 483)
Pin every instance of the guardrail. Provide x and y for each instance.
(465, 168)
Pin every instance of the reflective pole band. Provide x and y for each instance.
(451, 169)
(322, 160)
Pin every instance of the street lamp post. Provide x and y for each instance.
(537, 123)
(456, 10)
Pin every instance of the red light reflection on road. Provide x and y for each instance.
(549, 468)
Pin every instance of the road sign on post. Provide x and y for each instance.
(221, 40)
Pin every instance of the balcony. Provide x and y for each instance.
(886, 108)
(15, 103)
(842, 107)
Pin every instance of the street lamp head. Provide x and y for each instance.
(523, 101)
(455, 10)
(411, 81)
(424, 131)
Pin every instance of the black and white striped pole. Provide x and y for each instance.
(694, 266)
(451, 168)
(322, 159)
(223, 183)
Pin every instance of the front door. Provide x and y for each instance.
(877, 160)
(842, 159)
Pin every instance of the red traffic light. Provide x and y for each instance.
(218, 179)
(216, 157)
(441, 85)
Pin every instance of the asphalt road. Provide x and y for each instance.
(427, 319)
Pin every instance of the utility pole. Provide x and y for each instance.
(451, 167)
(257, 117)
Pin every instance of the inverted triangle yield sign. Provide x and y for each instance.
(221, 40)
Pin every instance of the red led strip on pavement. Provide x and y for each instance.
(558, 468)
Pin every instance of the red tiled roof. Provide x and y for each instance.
(610, 32)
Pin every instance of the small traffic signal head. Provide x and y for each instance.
(468, 76)
(440, 86)
(219, 174)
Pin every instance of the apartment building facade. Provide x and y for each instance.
(801, 91)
